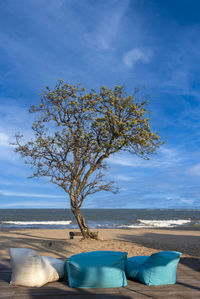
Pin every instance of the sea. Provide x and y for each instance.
(99, 218)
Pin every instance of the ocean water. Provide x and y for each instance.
(99, 218)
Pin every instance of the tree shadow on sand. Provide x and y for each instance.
(173, 242)
(44, 245)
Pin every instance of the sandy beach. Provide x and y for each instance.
(56, 242)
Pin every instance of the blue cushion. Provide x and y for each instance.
(133, 265)
(97, 269)
(159, 269)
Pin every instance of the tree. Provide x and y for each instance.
(76, 131)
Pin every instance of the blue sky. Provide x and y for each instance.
(132, 42)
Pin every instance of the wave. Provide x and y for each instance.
(159, 223)
(141, 223)
(37, 222)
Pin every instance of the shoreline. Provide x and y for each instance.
(140, 241)
(100, 229)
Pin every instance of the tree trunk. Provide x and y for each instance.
(83, 225)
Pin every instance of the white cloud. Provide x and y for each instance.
(6, 182)
(13, 115)
(21, 194)
(107, 23)
(123, 178)
(178, 69)
(4, 139)
(121, 160)
(33, 204)
(187, 200)
(7, 154)
(165, 157)
(169, 156)
(178, 199)
(12, 120)
(195, 170)
(135, 55)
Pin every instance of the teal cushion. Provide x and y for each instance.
(133, 265)
(159, 269)
(97, 269)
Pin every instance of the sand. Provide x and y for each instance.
(57, 243)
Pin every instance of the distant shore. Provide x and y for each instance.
(56, 242)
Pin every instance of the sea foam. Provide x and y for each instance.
(37, 222)
(159, 223)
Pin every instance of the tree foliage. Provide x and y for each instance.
(77, 130)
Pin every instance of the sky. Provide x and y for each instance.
(140, 43)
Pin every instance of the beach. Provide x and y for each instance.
(140, 241)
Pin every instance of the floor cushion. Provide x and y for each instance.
(157, 269)
(160, 268)
(133, 265)
(97, 269)
(32, 270)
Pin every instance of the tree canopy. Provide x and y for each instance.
(76, 131)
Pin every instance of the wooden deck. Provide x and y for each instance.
(188, 286)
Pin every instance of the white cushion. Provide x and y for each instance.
(32, 270)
